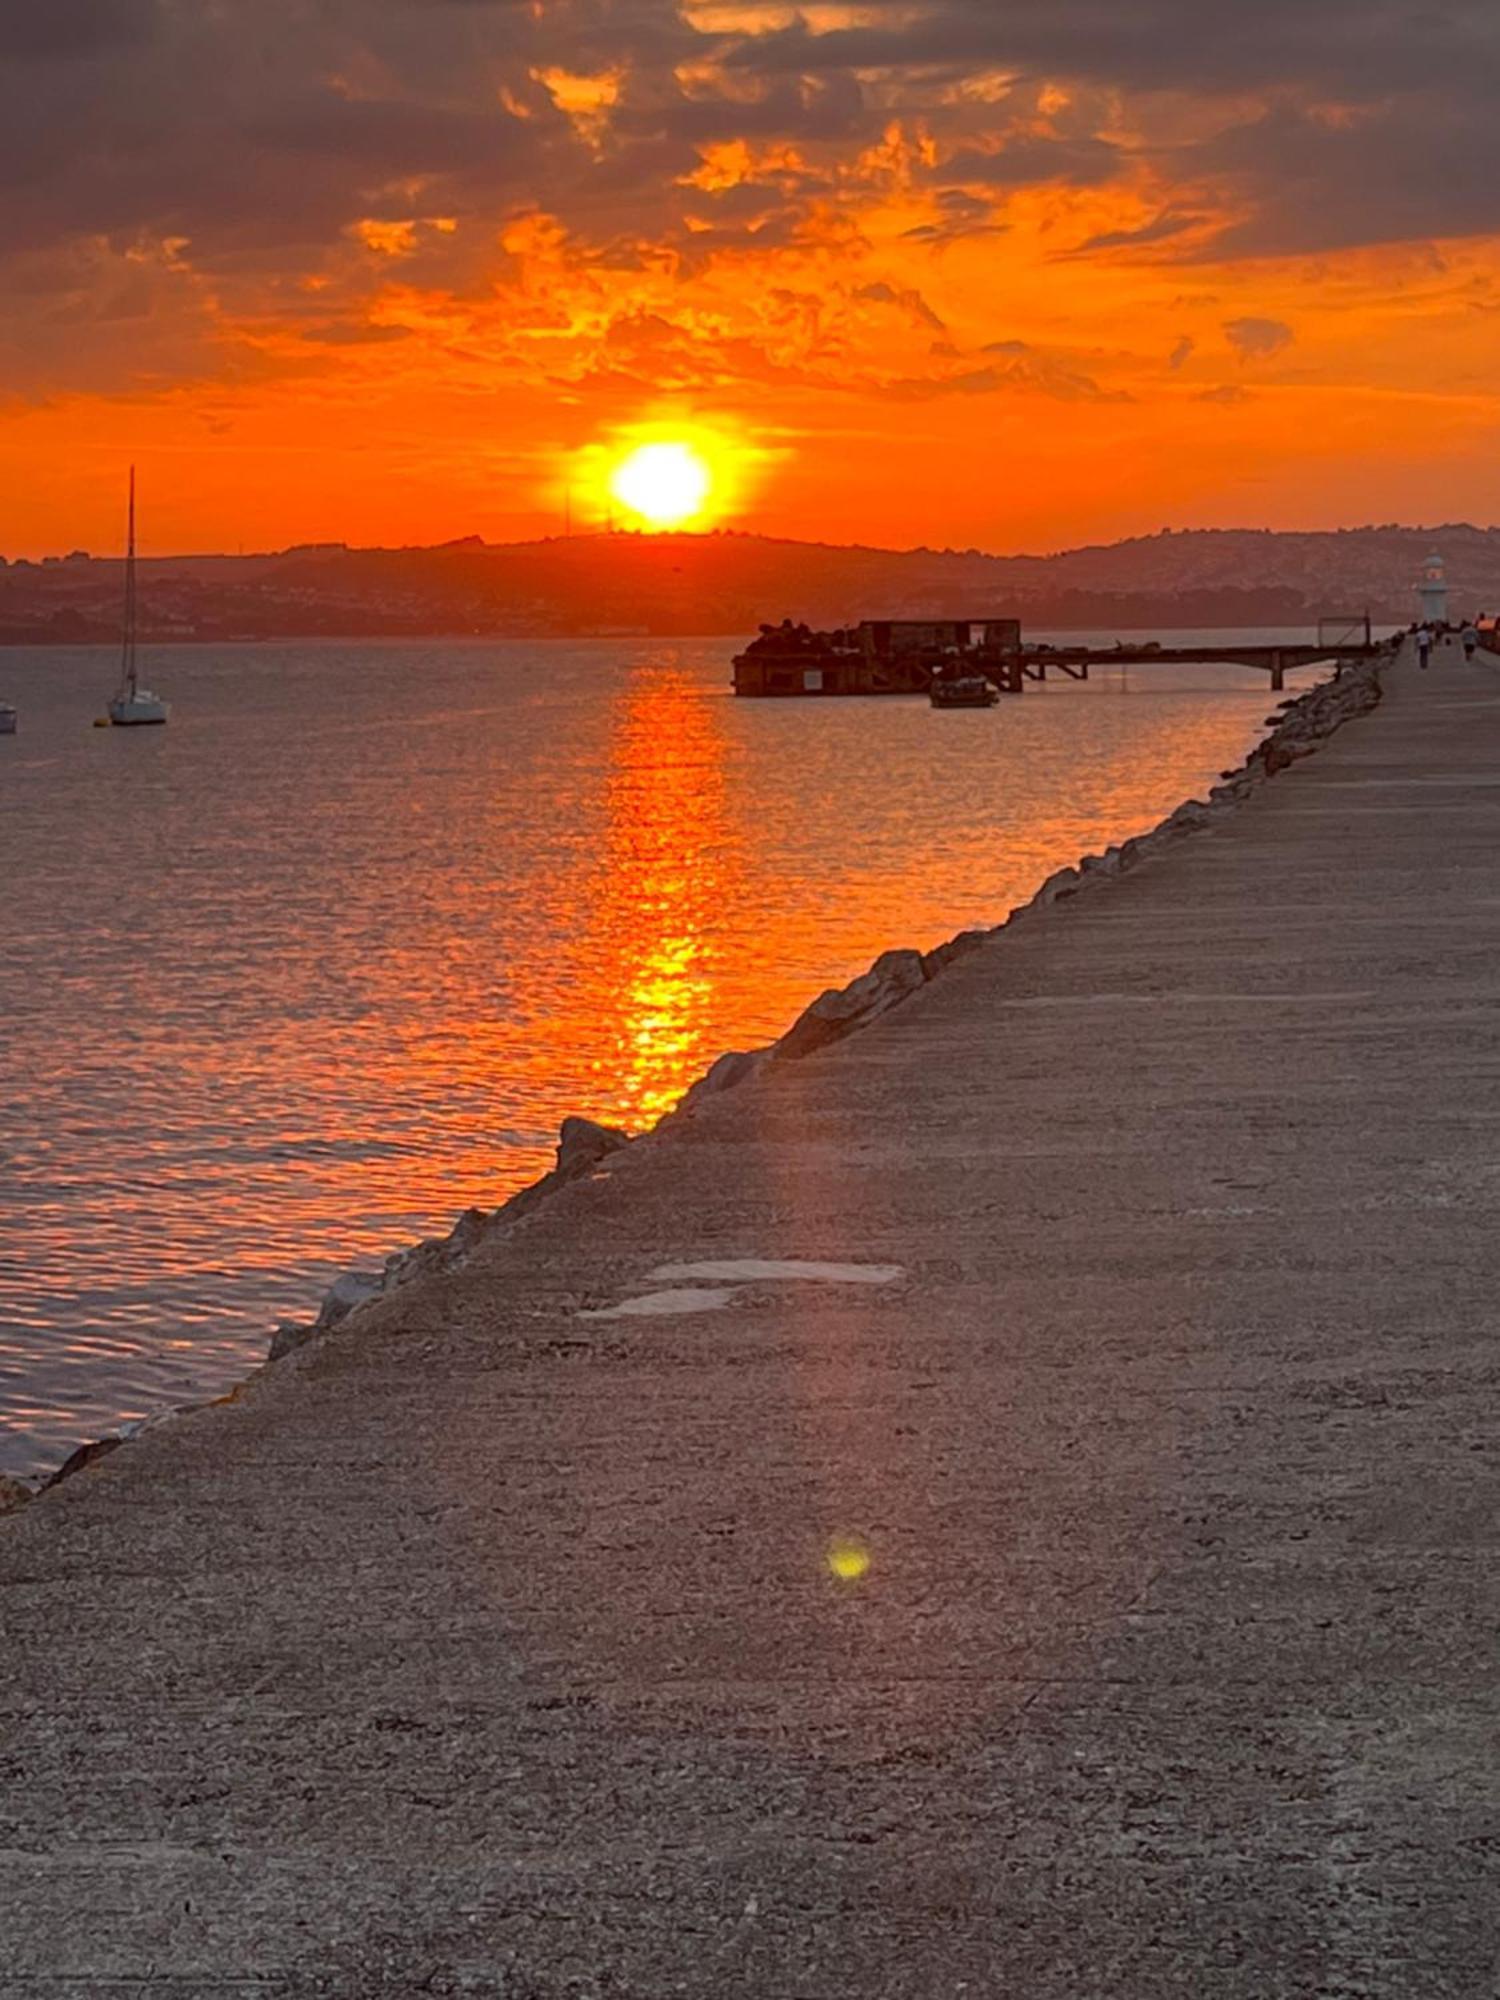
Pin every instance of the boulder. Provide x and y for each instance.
(1063, 883)
(13, 1494)
(437, 1253)
(289, 1336)
(733, 1068)
(891, 979)
(347, 1292)
(1194, 812)
(582, 1144)
(357, 1288)
(943, 955)
(85, 1455)
(1107, 863)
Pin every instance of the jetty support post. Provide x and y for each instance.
(1278, 673)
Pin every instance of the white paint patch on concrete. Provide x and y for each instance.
(689, 1300)
(749, 1270)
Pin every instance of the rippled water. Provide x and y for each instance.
(289, 983)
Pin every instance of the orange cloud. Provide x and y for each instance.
(945, 271)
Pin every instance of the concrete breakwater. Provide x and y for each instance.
(1005, 1503)
(1300, 726)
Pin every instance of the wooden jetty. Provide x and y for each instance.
(1075, 661)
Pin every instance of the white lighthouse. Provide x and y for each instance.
(1433, 591)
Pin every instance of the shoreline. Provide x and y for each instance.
(1305, 722)
(109, 643)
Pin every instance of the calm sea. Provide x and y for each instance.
(289, 983)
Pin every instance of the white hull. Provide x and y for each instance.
(134, 705)
(129, 711)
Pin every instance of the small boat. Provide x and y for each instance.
(8, 719)
(967, 691)
(133, 704)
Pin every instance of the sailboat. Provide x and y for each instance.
(133, 704)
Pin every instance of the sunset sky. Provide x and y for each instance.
(1008, 273)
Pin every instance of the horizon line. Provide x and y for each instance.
(635, 535)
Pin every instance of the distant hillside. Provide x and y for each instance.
(728, 583)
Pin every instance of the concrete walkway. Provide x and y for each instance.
(500, 1649)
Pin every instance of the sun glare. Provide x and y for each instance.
(665, 484)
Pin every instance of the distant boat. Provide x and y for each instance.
(968, 691)
(133, 704)
(8, 719)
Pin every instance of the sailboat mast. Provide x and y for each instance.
(127, 659)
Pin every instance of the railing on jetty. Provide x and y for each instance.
(1277, 661)
(1343, 637)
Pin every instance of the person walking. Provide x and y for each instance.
(1469, 639)
(1423, 636)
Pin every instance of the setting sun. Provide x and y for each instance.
(665, 484)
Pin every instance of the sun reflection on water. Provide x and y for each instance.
(670, 865)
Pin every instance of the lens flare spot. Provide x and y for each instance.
(848, 1558)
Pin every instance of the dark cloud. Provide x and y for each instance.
(1035, 374)
(905, 299)
(271, 123)
(351, 333)
(1028, 159)
(72, 30)
(929, 388)
(291, 117)
(1048, 373)
(129, 115)
(960, 215)
(816, 111)
(1161, 229)
(1258, 339)
(1344, 47)
(1377, 120)
(1423, 164)
(240, 144)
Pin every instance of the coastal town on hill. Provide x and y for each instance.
(626, 583)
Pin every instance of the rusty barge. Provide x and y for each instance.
(878, 656)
